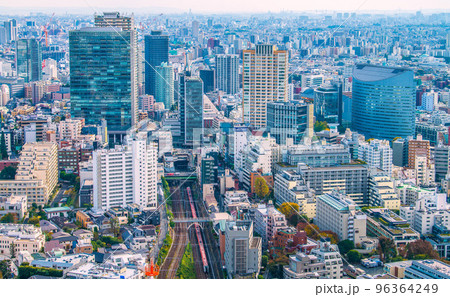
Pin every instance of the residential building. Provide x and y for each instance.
(265, 79)
(382, 191)
(227, 73)
(337, 213)
(427, 269)
(37, 173)
(377, 154)
(267, 220)
(318, 155)
(14, 204)
(243, 251)
(418, 147)
(302, 266)
(23, 237)
(329, 254)
(126, 174)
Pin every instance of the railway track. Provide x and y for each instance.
(170, 266)
(198, 264)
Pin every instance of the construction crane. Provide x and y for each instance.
(46, 29)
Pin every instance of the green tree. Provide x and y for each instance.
(8, 218)
(345, 246)
(354, 256)
(320, 126)
(3, 150)
(12, 250)
(261, 187)
(264, 260)
(9, 172)
(34, 221)
(5, 269)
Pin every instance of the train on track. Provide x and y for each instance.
(197, 231)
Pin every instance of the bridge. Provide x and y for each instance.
(191, 220)
(180, 176)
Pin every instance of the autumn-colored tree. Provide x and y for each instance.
(261, 187)
(289, 208)
(421, 247)
(334, 238)
(312, 231)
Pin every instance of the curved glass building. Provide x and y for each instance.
(383, 102)
(328, 103)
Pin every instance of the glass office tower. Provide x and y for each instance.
(156, 52)
(383, 102)
(193, 108)
(164, 91)
(29, 59)
(289, 120)
(328, 103)
(103, 82)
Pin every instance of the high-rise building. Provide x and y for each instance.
(193, 110)
(37, 173)
(328, 103)
(114, 19)
(265, 79)
(103, 78)
(383, 102)
(418, 147)
(29, 59)
(227, 73)
(292, 120)
(156, 52)
(126, 174)
(164, 91)
(10, 30)
(207, 76)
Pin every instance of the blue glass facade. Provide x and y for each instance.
(156, 52)
(193, 108)
(383, 102)
(102, 80)
(29, 60)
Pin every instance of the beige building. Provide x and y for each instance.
(37, 173)
(13, 204)
(70, 129)
(382, 191)
(25, 238)
(302, 266)
(265, 79)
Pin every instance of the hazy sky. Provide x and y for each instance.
(218, 6)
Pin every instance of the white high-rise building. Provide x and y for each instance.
(265, 79)
(227, 73)
(377, 154)
(429, 101)
(126, 174)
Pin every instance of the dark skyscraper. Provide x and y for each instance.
(208, 79)
(156, 52)
(193, 109)
(29, 60)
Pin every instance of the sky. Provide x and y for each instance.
(224, 6)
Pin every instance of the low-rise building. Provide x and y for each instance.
(104, 271)
(302, 266)
(267, 221)
(13, 204)
(329, 254)
(23, 237)
(428, 269)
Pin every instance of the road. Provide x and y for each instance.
(59, 196)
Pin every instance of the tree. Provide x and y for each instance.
(264, 260)
(5, 269)
(3, 150)
(261, 187)
(320, 126)
(12, 250)
(386, 248)
(8, 218)
(115, 228)
(9, 172)
(34, 221)
(421, 248)
(345, 246)
(289, 208)
(354, 256)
